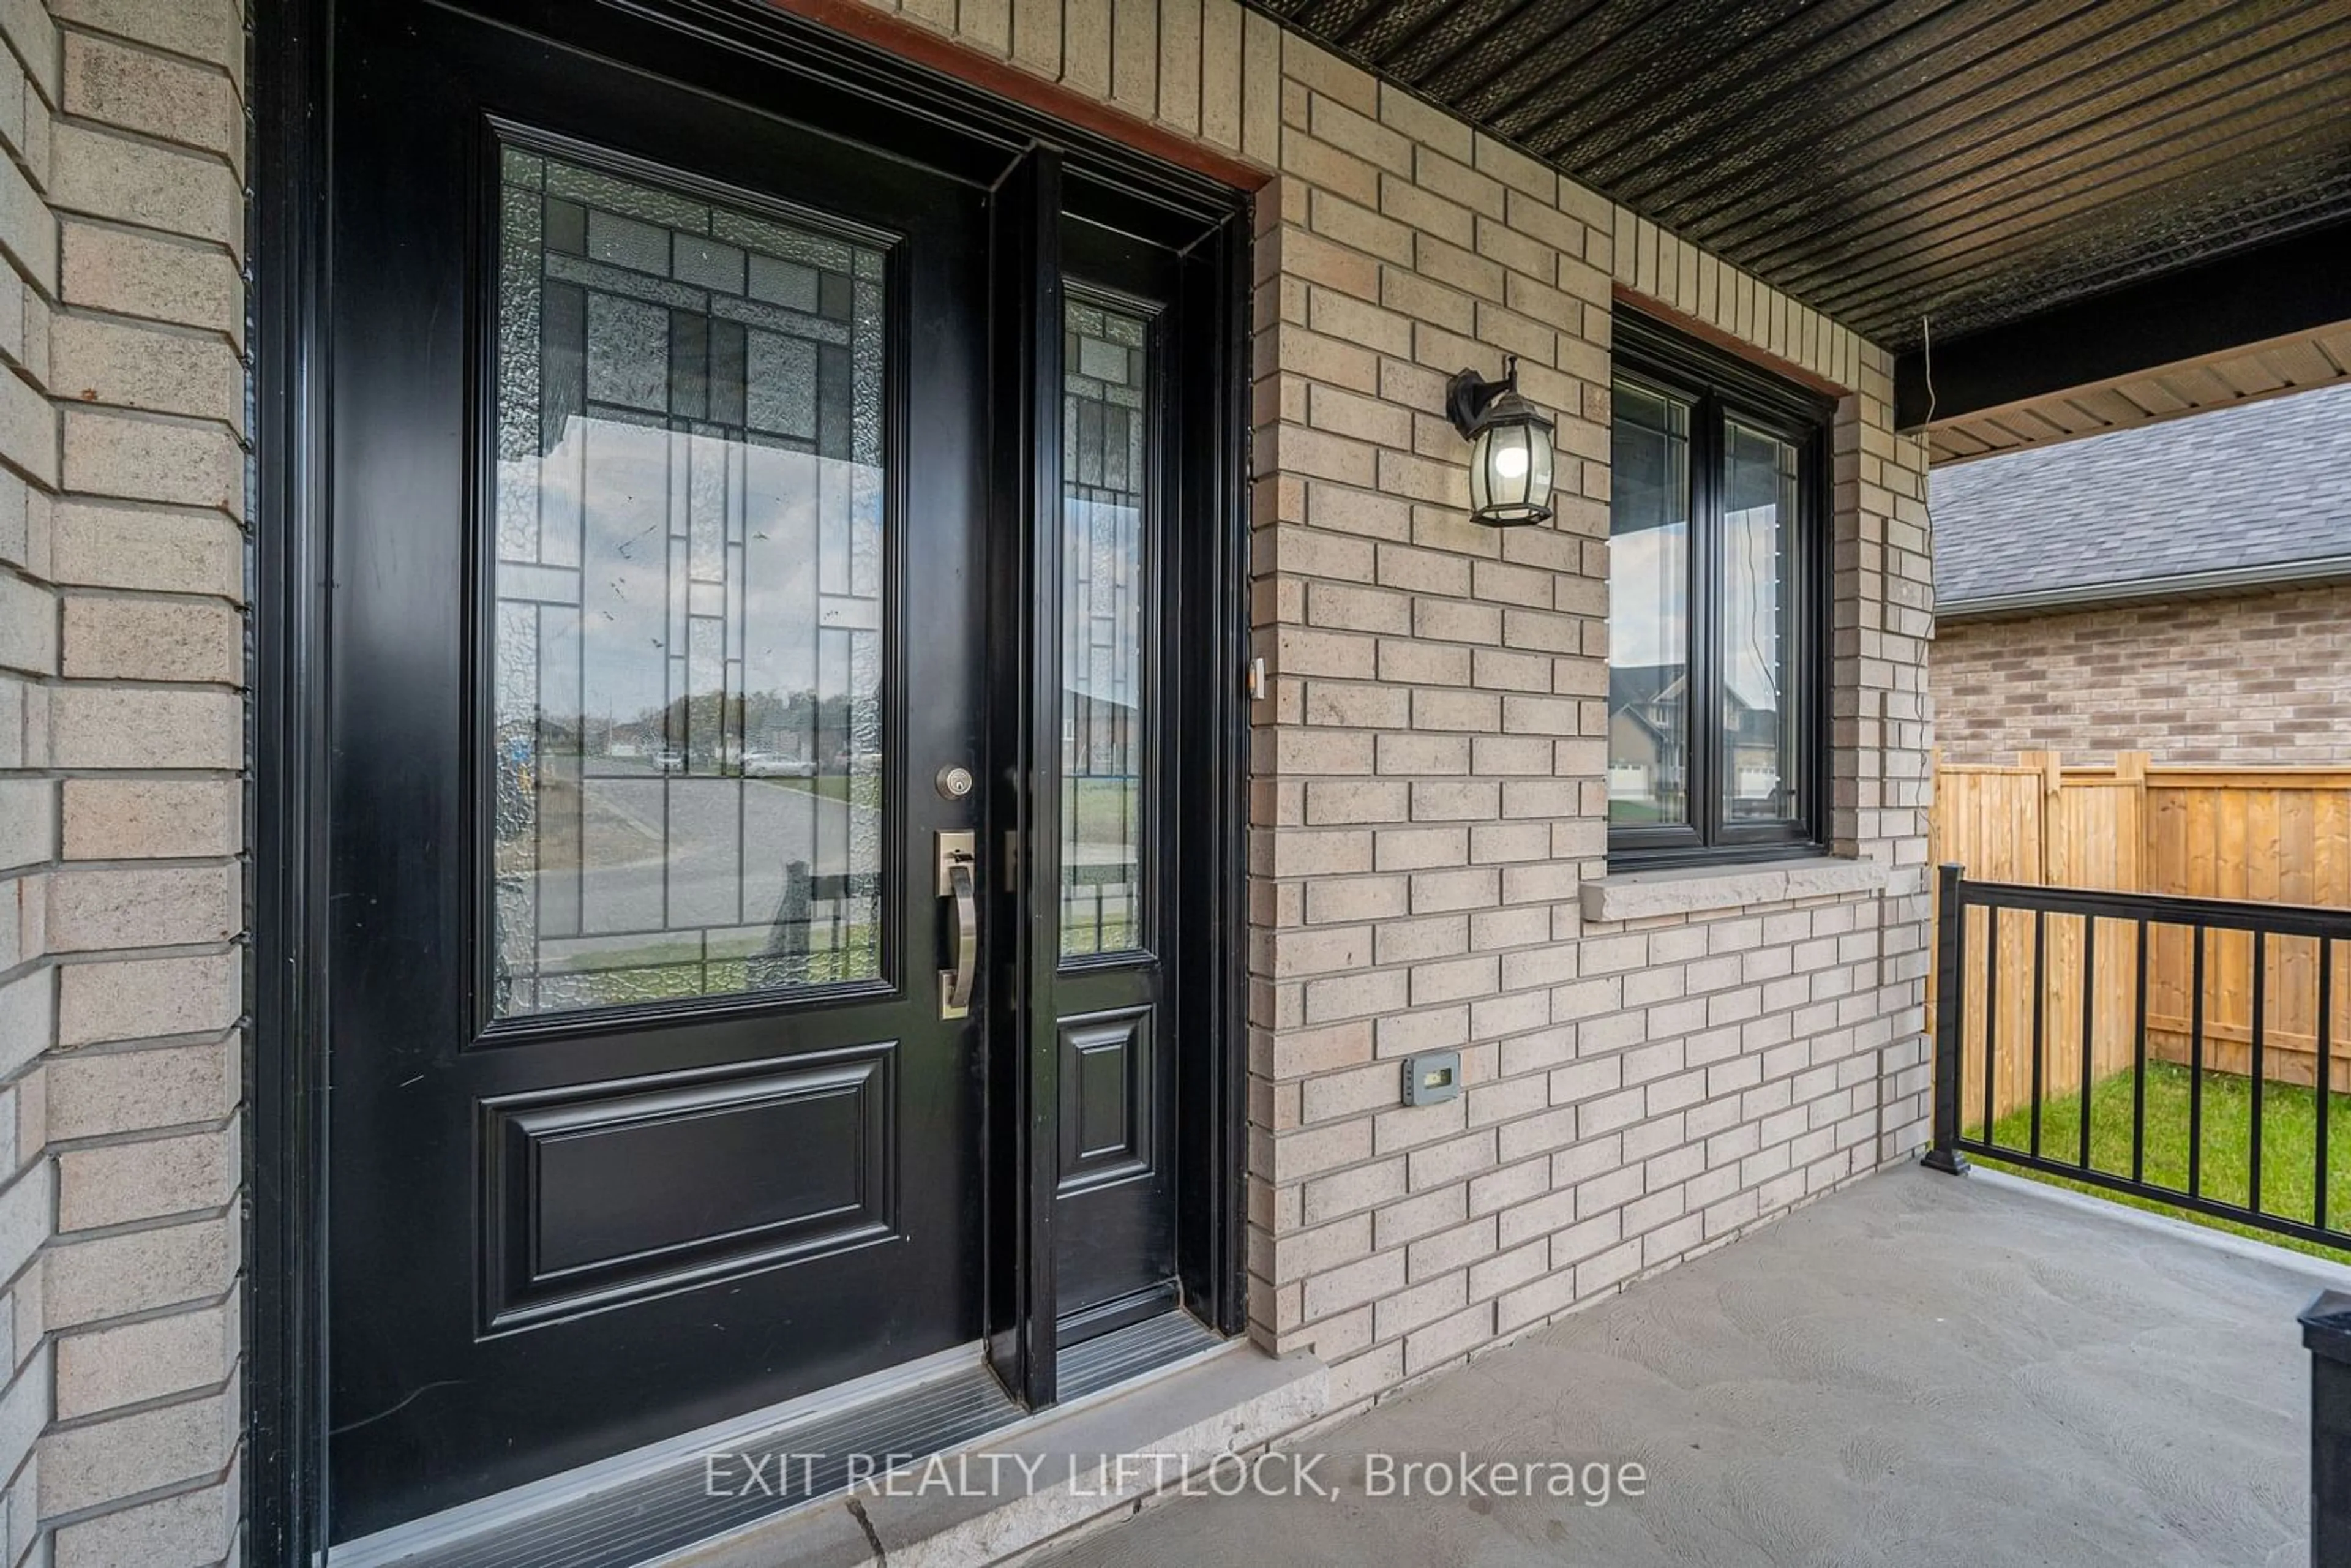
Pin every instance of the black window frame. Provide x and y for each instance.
(1718, 387)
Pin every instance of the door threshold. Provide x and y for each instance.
(1123, 1356)
(676, 1500)
(1081, 1465)
(635, 1507)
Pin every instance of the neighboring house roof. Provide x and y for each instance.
(2237, 498)
(1639, 692)
(1638, 685)
(1636, 691)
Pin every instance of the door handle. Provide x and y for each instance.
(958, 854)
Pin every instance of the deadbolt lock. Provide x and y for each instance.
(953, 782)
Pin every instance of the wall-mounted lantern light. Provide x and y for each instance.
(1509, 448)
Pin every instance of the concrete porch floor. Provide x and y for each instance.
(1914, 1369)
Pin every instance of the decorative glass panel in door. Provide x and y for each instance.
(689, 631)
(1105, 693)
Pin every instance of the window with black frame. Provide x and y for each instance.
(1718, 593)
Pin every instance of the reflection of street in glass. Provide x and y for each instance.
(688, 621)
(683, 883)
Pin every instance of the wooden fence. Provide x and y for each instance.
(2272, 834)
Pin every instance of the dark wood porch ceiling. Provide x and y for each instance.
(1974, 161)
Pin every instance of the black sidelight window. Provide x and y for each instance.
(1718, 605)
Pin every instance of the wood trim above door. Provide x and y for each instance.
(920, 45)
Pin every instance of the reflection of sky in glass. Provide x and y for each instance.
(1759, 496)
(688, 634)
(1760, 487)
(1648, 624)
(624, 470)
(1750, 605)
(1649, 608)
(1647, 571)
(1650, 641)
(1648, 530)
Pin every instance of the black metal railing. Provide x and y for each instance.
(2153, 1099)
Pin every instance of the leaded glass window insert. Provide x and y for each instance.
(688, 647)
(1105, 786)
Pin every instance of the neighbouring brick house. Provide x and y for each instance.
(2182, 590)
(405, 933)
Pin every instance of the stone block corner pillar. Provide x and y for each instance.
(2326, 1335)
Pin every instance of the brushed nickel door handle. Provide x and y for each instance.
(958, 853)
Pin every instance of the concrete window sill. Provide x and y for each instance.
(1698, 890)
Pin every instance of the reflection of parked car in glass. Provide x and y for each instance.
(776, 764)
(669, 759)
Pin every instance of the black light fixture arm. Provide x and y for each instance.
(1468, 394)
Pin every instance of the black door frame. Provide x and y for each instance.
(1040, 164)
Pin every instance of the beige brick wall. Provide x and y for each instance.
(2253, 678)
(121, 660)
(1428, 785)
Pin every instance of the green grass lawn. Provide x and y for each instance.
(662, 970)
(863, 788)
(1101, 811)
(2289, 1143)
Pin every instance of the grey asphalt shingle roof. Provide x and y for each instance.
(2260, 485)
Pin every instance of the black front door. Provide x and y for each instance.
(656, 484)
(1126, 820)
